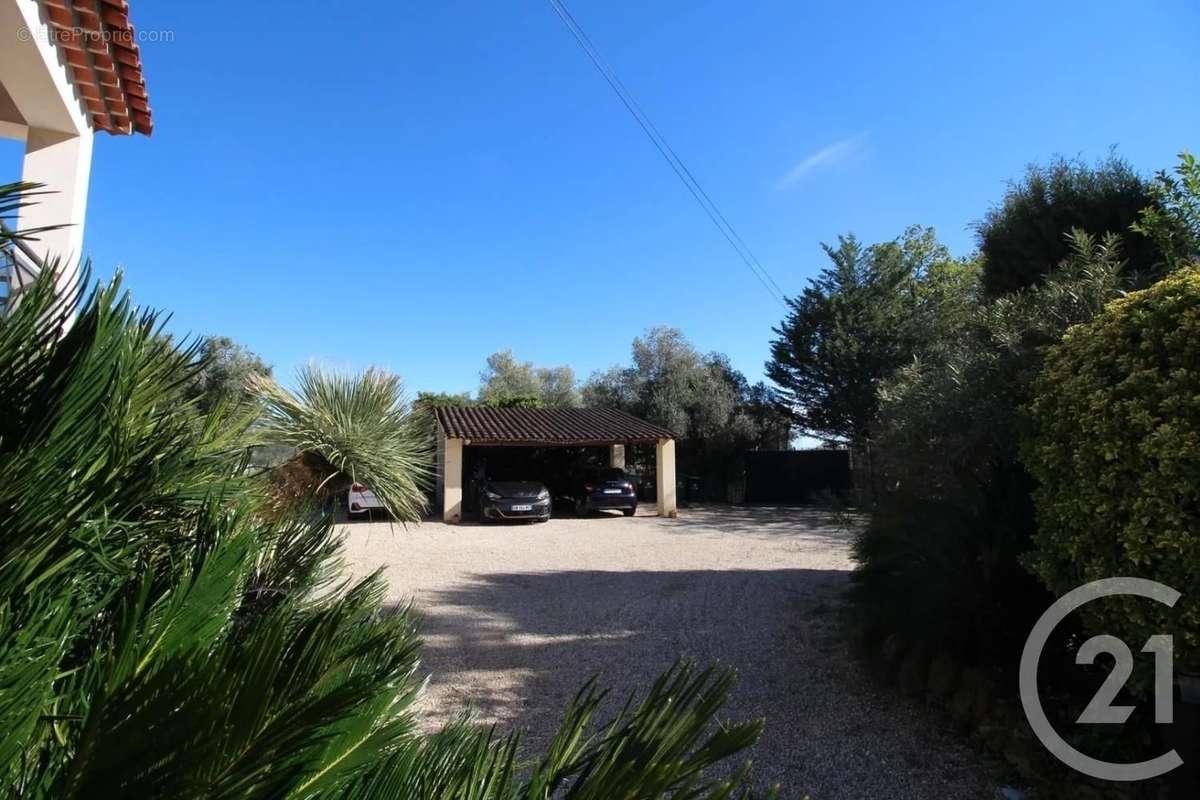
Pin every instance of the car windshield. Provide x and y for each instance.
(612, 474)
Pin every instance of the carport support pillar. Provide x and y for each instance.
(665, 476)
(616, 456)
(452, 482)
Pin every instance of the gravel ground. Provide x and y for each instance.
(517, 618)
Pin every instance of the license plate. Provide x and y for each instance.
(522, 508)
(612, 491)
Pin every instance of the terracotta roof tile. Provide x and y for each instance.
(104, 63)
(115, 17)
(99, 45)
(546, 426)
(76, 58)
(59, 16)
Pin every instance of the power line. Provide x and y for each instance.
(673, 157)
(668, 153)
(664, 148)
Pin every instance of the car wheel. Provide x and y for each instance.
(581, 509)
(629, 512)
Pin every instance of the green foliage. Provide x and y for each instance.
(1172, 222)
(957, 512)
(359, 428)
(133, 660)
(14, 197)
(1023, 239)
(713, 411)
(507, 382)
(766, 423)
(98, 396)
(658, 748)
(696, 396)
(858, 322)
(429, 400)
(950, 417)
(225, 372)
(1115, 446)
(945, 572)
(515, 401)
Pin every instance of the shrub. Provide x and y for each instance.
(946, 575)
(940, 559)
(225, 373)
(1173, 221)
(1115, 445)
(1021, 239)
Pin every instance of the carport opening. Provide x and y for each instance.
(552, 446)
(556, 467)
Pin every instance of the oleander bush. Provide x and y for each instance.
(1115, 447)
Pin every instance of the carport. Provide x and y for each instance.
(461, 427)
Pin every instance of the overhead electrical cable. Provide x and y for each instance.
(668, 153)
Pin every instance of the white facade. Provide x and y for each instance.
(39, 106)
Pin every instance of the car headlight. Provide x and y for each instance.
(544, 494)
(494, 496)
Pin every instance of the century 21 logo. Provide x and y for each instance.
(1101, 710)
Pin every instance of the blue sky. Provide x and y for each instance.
(418, 185)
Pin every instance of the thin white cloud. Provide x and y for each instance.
(827, 156)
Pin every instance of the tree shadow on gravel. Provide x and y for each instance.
(517, 646)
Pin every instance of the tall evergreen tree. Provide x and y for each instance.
(856, 323)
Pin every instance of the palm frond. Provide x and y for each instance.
(14, 197)
(661, 747)
(461, 762)
(362, 428)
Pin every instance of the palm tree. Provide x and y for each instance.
(162, 636)
(346, 429)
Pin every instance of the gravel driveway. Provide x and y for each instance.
(517, 618)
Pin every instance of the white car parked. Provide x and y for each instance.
(360, 500)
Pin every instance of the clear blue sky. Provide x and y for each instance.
(418, 185)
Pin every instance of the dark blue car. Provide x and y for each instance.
(605, 489)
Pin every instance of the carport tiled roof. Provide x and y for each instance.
(555, 426)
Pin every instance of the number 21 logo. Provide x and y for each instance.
(1101, 710)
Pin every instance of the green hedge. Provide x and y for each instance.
(1115, 445)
